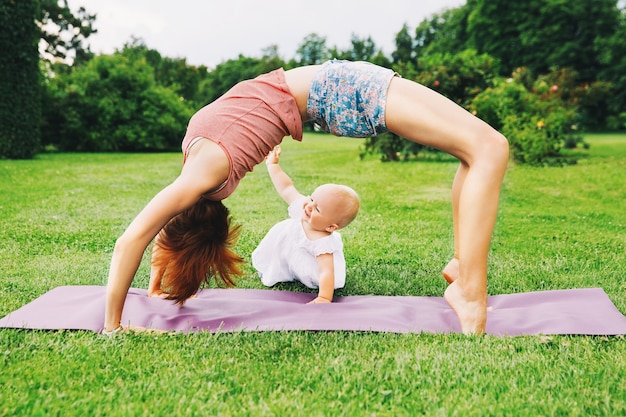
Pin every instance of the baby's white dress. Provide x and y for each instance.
(285, 254)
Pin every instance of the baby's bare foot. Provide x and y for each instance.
(451, 271)
(472, 314)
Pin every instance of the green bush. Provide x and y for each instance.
(113, 103)
(391, 147)
(616, 122)
(459, 77)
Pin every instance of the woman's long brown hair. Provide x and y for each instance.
(194, 247)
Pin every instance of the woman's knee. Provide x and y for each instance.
(491, 149)
(499, 145)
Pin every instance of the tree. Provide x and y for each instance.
(313, 50)
(64, 34)
(20, 108)
(228, 73)
(444, 33)
(562, 35)
(271, 57)
(542, 35)
(612, 55)
(404, 52)
(362, 50)
(493, 28)
(172, 73)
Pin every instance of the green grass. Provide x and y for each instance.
(558, 228)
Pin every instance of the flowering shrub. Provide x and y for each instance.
(537, 121)
(538, 115)
(459, 77)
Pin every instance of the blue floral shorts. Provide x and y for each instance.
(348, 98)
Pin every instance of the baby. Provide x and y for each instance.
(307, 247)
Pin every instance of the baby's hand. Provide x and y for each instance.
(319, 300)
(273, 156)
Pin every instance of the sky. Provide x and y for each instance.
(208, 32)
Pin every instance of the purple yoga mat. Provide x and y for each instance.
(576, 311)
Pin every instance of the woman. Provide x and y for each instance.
(228, 137)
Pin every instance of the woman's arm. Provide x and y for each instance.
(326, 265)
(207, 166)
(130, 247)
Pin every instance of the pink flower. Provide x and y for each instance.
(554, 87)
(436, 83)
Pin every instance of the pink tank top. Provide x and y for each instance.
(247, 122)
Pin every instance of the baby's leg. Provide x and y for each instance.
(424, 116)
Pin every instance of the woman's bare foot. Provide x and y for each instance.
(451, 271)
(472, 314)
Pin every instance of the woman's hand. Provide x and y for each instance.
(164, 295)
(129, 328)
(157, 293)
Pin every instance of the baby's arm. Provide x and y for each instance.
(325, 263)
(282, 182)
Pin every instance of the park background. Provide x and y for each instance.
(87, 139)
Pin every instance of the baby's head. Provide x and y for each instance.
(339, 204)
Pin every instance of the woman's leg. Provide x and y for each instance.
(424, 116)
(451, 271)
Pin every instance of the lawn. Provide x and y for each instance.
(558, 228)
